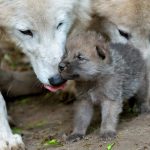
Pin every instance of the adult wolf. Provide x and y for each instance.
(40, 28)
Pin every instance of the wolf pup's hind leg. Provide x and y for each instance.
(110, 113)
(142, 98)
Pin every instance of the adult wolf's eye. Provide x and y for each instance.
(59, 25)
(27, 32)
(125, 34)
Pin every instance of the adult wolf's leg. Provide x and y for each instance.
(8, 140)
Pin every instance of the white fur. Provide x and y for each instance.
(8, 140)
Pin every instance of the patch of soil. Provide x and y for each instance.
(44, 117)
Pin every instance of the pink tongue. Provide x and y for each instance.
(54, 88)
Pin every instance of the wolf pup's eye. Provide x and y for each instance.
(59, 25)
(27, 32)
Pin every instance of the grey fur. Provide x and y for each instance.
(105, 75)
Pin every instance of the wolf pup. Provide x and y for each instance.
(105, 75)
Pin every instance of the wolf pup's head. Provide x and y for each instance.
(86, 57)
(40, 28)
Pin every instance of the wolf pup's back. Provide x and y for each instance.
(130, 65)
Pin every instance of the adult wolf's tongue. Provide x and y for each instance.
(54, 88)
(57, 83)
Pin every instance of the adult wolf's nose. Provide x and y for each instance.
(62, 66)
(56, 80)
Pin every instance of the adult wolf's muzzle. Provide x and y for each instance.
(56, 80)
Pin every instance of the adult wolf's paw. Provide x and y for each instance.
(13, 142)
(107, 136)
(75, 137)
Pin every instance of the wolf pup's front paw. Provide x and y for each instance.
(75, 137)
(107, 136)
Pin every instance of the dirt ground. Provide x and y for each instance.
(45, 117)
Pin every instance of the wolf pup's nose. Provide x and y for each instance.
(57, 80)
(62, 66)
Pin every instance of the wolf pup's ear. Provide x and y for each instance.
(101, 47)
(100, 51)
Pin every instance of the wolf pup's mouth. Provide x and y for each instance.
(55, 88)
